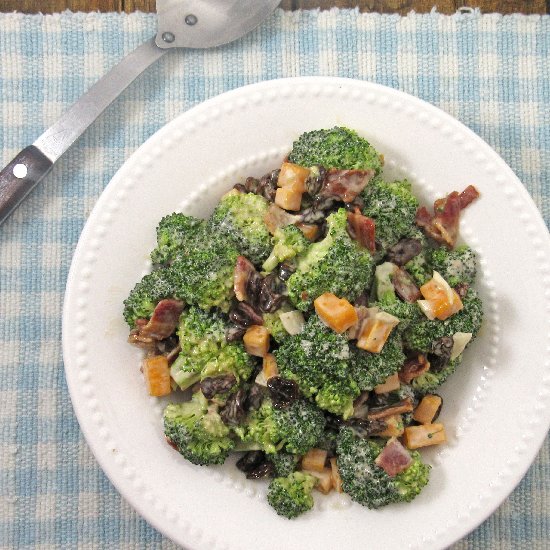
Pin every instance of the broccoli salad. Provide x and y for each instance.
(310, 322)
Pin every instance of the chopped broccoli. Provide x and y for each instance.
(455, 266)
(335, 148)
(273, 323)
(284, 463)
(291, 496)
(370, 485)
(294, 429)
(175, 233)
(205, 351)
(317, 359)
(336, 264)
(383, 286)
(421, 334)
(239, 217)
(419, 269)
(371, 369)
(393, 207)
(430, 380)
(287, 243)
(147, 293)
(196, 429)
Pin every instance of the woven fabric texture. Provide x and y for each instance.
(490, 72)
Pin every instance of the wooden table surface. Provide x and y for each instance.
(382, 6)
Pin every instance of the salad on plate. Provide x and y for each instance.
(308, 324)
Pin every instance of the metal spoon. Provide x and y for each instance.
(181, 24)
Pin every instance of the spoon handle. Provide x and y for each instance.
(29, 166)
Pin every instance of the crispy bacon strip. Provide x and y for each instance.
(394, 458)
(413, 368)
(442, 227)
(164, 320)
(362, 229)
(345, 184)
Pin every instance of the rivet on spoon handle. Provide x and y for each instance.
(19, 177)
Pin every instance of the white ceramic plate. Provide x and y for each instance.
(496, 406)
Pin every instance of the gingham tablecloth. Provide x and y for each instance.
(490, 72)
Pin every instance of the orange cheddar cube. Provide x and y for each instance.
(269, 366)
(293, 176)
(375, 332)
(157, 375)
(443, 301)
(310, 230)
(335, 312)
(256, 340)
(314, 460)
(288, 198)
(391, 384)
(424, 435)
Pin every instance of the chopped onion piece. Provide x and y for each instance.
(293, 321)
(427, 308)
(460, 341)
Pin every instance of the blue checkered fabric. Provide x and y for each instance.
(490, 72)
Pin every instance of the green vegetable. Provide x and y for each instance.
(284, 463)
(317, 359)
(336, 264)
(175, 234)
(420, 335)
(291, 496)
(429, 381)
(367, 483)
(197, 431)
(371, 369)
(335, 148)
(393, 207)
(455, 266)
(383, 286)
(239, 217)
(294, 429)
(287, 243)
(205, 351)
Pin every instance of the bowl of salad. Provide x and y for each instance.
(308, 322)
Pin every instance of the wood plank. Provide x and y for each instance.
(382, 6)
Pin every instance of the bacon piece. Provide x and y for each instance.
(443, 226)
(362, 229)
(405, 286)
(244, 274)
(276, 217)
(394, 458)
(413, 368)
(345, 184)
(164, 320)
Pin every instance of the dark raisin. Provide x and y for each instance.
(251, 185)
(271, 294)
(213, 385)
(243, 315)
(233, 334)
(266, 469)
(233, 412)
(285, 271)
(283, 392)
(404, 251)
(255, 397)
(316, 179)
(253, 287)
(441, 353)
(366, 428)
(250, 461)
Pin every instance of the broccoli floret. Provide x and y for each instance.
(317, 359)
(284, 463)
(393, 207)
(367, 483)
(239, 217)
(328, 441)
(371, 369)
(406, 312)
(419, 269)
(455, 266)
(383, 286)
(421, 334)
(336, 264)
(291, 496)
(175, 234)
(144, 297)
(429, 381)
(335, 148)
(196, 429)
(273, 324)
(288, 242)
(294, 429)
(205, 351)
